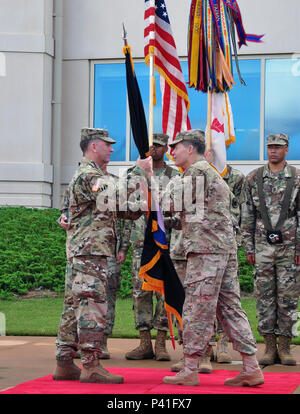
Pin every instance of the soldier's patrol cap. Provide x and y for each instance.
(277, 139)
(96, 133)
(190, 135)
(160, 139)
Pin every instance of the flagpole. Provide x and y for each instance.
(209, 116)
(151, 100)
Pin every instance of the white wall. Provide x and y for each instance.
(25, 100)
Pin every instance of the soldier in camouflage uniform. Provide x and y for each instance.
(275, 264)
(211, 282)
(113, 268)
(91, 239)
(143, 300)
(236, 182)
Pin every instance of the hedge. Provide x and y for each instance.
(32, 254)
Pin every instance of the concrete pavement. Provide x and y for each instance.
(24, 358)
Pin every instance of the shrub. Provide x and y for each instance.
(32, 254)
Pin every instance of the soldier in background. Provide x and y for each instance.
(143, 304)
(91, 239)
(211, 282)
(271, 238)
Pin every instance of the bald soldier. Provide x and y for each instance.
(211, 282)
(271, 238)
(91, 239)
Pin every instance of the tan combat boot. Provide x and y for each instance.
(270, 355)
(66, 370)
(178, 366)
(93, 372)
(204, 365)
(251, 375)
(144, 350)
(160, 350)
(284, 352)
(104, 351)
(223, 356)
(188, 375)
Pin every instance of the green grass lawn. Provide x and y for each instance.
(40, 317)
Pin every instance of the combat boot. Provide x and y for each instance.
(284, 352)
(144, 350)
(204, 365)
(104, 351)
(270, 355)
(178, 366)
(251, 375)
(93, 372)
(188, 375)
(66, 370)
(223, 356)
(160, 350)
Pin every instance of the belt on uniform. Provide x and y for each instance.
(289, 215)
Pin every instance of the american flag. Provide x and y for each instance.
(158, 35)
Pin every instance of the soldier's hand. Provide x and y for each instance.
(146, 165)
(297, 260)
(63, 222)
(121, 256)
(251, 258)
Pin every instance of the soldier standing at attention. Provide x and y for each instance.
(271, 238)
(91, 239)
(143, 304)
(211, 282)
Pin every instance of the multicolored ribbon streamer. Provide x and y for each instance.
(210, 38)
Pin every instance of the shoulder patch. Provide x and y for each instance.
(96, 186)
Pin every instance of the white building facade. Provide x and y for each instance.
(62, 68)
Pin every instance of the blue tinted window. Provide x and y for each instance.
(245, 103)
(282, 103)
(142, 75)
(110, 105)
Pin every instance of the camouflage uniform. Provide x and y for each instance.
(211, 281)
(275, 279)
(236, 182)
(143, 300)
(91, 239)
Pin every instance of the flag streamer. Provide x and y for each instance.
(210, 39)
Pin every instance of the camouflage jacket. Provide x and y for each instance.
(122, 243)
(210, 228)
(92, 230)
(274, 185)
(236, 182)
(137, 228)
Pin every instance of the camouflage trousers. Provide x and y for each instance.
(113, 285)
(276, 289)
(212, 288)
(83, 318)
(143, 301)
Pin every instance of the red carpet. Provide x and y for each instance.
(149, 381)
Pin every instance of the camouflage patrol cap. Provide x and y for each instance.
(95, 133)
(277, 139)
(160, 139)
(190, 135)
